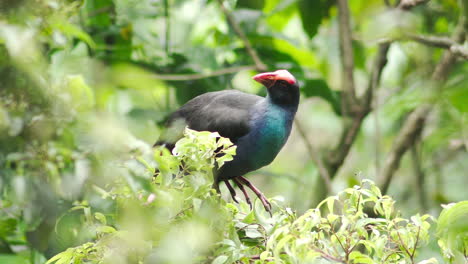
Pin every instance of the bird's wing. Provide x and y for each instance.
(226, 112)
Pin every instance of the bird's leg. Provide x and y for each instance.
(216, 186)
(259, 194)
(231, 190)
(246, 195)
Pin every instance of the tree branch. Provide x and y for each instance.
(260, 66)
(408, 4)
(441, 42)
(379, 63)
(337, 156)
(347, 57)
(414, 124)
(323, 172)
(196, 76)
(408, 134)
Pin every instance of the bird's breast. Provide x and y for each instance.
(270, 133)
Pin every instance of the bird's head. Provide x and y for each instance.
(281, 85)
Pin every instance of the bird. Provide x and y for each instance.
(258, 126)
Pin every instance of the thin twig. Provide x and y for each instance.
(416, 243)
(313, 153)
(439, 42)
(196, 76)
(260, 66)
(404, 246)
(442, 42)
(336, 158)
(337, 238)
(377, 67)
(327, 256)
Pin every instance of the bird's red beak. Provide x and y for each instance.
(266, 78)
(269, 78)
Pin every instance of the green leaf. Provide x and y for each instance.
(74, 31)
(253, 233)
(220, 259)
(312, 13)
(281, 243)
(459, 99)
(358, 257)
(13, 259)
(105, 229)
(81, 94)
(100, 217)
(223, 159)
(452, 227)
(264, 255)
(429, 261)
(7, 227)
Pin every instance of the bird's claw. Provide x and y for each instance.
(231, 190)
(247, 200)
(266, 204)
(246, 195)
(260, 195)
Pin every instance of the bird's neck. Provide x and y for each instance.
(289, 106)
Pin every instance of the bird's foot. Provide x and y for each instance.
(259, 194)
(246, 195)
(231, 190)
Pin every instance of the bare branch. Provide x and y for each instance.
(442, 42)
(313, 153)
(337, 157)
(377, 68)
(408, 134)
(460, 51)
(408, 4)
(196, 76)
(260, 66)
(347, 56)
(414, 124)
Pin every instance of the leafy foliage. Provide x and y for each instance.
(83, 89)
(347, 234)
(188, 215)
(452, 231)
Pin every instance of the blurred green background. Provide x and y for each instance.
(85, 87)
